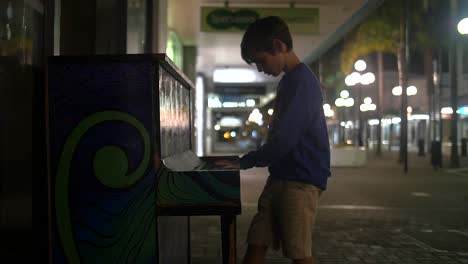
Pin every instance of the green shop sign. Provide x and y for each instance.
(300, 20)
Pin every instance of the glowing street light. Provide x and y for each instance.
(367, 78)
(364, 79)
(367, 105)
(411, 90)
(328, 111)
(344, 100)
(463, 26)
(344, 94)
(360, 65)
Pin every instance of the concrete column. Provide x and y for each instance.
(159, 26)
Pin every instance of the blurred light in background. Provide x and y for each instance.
(270, 111)
(234, 75)
(256, 117)
(353, 79)
(463, 26)
(367, 78)
(339, 102)
(328, 111)
(373, 122)
(233, 134)
(230, 104)
(344, 100)
(396, 120)
(217, 127)
(348, 102)
(344, 94)
(360, 65)
(397, 91)
(419, 117)
(254, 134)
(250, 102)
(227, 135)
(368, 105)
(214, 102)
(411, 90)
(229, 121)
(409, 109)
(386, 122)
(199, 117)
(463, 110)
(446, 110)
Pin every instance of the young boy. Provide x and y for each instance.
(297, 152)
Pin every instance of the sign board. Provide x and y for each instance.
(299, 20)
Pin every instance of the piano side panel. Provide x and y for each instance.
(174, 129)
(102, 180)
(174, 105)
(198, 192)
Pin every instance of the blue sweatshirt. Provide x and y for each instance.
(297, 148)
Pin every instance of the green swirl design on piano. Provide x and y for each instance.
(114, 176)
(180, 188)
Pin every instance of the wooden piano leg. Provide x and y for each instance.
(228, 238)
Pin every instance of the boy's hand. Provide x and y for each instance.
(246, 161)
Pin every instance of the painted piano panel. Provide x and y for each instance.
(121, 168)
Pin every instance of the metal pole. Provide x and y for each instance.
(404, 85)
(455, 161)
(380, 104)
(441, 127)
(360, 143)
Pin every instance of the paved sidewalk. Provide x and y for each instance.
(375, 214)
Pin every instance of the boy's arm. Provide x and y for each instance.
(304, 104)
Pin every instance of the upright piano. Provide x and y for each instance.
(123, 179)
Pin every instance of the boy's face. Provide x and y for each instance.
(272, 62)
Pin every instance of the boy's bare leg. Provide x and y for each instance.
(255, 254)
(304, 261)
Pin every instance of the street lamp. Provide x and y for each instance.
(363, 79)
(463, 26)
(410, 90)
(367, 105)
(328, 111)
(344, 101)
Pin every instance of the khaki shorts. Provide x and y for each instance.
(285, 218)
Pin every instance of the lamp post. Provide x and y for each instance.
(367, 106)
(344, 101)
(363, 79)
(410, 91)
(455, 43)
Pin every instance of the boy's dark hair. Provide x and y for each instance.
(260, 34)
